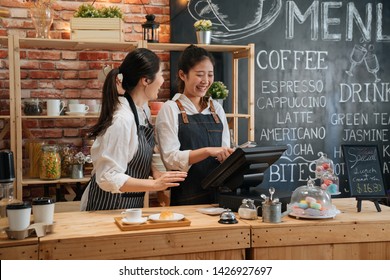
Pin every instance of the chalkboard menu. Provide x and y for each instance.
(320, 77)
(364, 170)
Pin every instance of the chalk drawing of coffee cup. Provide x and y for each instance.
(233, 21)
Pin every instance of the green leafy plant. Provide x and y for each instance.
(218, 90)
(89, 11)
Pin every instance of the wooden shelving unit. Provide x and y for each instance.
(9, 119)
(17, 44)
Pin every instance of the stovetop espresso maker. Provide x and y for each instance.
(7, 178)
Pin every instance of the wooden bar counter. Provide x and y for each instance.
(25, 249)
(95, 235)
(350, 235)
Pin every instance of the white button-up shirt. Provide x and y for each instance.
(112, 151)
(167, 129)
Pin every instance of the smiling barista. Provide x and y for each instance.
(192, 130)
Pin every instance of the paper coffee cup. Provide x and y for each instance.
(19, 215)
(43, 210)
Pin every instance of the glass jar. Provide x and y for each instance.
(87, 145)
(66, 160)
(330, 183)
(50, 167)
(34, 149)
(323, 164)
(247, 209)
(32, 107)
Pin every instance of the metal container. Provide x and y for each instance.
(272, 212)
(77, 171)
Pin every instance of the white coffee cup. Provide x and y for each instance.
(133, 214)
(19, 215)
(54, 107)
(78, 108)
(43, 210)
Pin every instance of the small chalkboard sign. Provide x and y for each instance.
(364, 173)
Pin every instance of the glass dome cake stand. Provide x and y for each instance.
(311, 202)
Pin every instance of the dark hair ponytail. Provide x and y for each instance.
(140, 63)
(109, 103)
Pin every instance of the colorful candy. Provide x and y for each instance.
(310, 199)
(315, 205)
(303, 204)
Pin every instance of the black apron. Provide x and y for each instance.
(139, 167)
(195, 132)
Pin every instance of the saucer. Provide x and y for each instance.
(134, 222)
(212, 211)
(76, 113)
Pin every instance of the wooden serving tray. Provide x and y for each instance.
(151, 225)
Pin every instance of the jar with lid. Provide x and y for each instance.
(50, 167)
(32, 107)
(248, 210)
(330, 183)
(323, 164)
(67, 152)
(87, 145)
(34, 150)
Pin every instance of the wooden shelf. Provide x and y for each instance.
(36, 181)
(58, 44)
(231, 115)
(62, 117)
(236, 49)
(5, 117)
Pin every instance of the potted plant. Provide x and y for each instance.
(92, 24)
(77, 163)
(203, 29)
(218, 90)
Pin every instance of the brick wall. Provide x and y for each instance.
(67, 74)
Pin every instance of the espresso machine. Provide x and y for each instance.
(7, 178)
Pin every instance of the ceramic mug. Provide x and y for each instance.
(55, 107)
(78, 108)
(133, 214)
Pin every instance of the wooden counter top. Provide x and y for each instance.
(95, 235)
(349, 235)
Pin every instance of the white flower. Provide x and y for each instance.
(203, 25)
